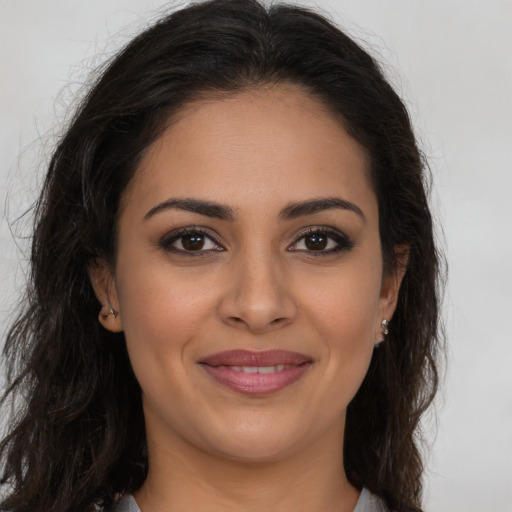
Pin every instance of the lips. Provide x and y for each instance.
(256, 373)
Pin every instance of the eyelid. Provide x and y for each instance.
(344, 243)
(168, 239)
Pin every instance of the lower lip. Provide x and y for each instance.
(256, 383)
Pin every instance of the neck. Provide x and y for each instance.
(184, 478)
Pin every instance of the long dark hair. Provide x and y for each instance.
(77, 436)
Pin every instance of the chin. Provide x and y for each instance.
(255, 450)
(258, 440)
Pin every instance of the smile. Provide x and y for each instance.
(256, 373)
(258, 369)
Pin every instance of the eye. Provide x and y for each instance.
(322, 241)
(190, 241)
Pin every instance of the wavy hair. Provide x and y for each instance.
(77, 435)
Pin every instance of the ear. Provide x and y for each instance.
(391, 282)
(103, 283)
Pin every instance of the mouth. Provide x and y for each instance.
(256, 373)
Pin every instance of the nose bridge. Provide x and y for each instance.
(258, 297)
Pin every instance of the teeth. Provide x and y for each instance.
(248, 369)
(257, 369)
(271, 369)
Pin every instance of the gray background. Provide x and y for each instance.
(451, 60)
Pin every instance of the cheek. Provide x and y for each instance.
(348, 333)
(161, 324)
(162, 314)
(160, 298)
(345, 304)
(344, 312)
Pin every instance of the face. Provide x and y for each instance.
(249, 280)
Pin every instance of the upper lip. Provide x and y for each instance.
(252, 358)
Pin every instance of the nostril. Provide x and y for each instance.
(255, 311)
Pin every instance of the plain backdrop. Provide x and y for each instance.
(451, 60)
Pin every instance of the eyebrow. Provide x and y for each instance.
(223, 212)
(294, 210)
(207, 208)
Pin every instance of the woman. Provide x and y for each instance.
(234, 293)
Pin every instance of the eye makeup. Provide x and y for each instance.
(197, 241)
(190, 241)
(321, 241)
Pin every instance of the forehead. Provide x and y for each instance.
(263, 142)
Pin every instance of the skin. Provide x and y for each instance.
(256, 285)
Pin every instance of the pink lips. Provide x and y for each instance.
(256, 373)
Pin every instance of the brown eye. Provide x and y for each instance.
(193, 242)
(190, 242)
(316, 241)
(322, 242)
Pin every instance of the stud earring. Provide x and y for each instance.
(112, 312)
(385, 331)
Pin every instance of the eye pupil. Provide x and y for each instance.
(193, 242)
(316, 242)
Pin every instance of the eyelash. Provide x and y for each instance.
(343, 243)
(168, 240)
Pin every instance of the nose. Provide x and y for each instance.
(258, 297)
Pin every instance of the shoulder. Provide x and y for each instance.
(369, 502)
(126, 504)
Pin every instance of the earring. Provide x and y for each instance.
(385, 331)
(112, 312)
